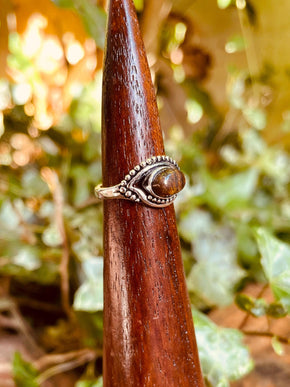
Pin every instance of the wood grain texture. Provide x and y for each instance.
(148, 331)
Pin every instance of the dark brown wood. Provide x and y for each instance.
(148, 331)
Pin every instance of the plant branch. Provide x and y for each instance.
(282, 339)
(86, 357)
(89, 202)
(49, 360)
(8, 322)
(20, 325)
(248, 314)
(28, 233)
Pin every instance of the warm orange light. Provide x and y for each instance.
(33, 35)
(19, 141)
(90, 46)
(74, 52)
(176, 56)
(29, 109)
(50, 55)
(20, 158)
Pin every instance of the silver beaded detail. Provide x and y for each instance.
(126, 187)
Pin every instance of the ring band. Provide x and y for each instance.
(154, 182)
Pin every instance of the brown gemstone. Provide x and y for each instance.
(167, 182)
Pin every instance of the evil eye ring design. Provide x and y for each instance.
(154, 182)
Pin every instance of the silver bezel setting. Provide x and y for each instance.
(137, 184)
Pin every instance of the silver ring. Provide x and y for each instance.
(154, 182)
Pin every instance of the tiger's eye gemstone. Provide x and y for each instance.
(168, 182)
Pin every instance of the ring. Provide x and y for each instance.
(155, 182)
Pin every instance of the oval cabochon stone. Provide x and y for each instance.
(167, 182)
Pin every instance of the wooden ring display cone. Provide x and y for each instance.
(149, 338)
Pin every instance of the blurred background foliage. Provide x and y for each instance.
(221, 70)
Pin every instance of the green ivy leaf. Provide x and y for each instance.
(33, 185)
(9, 215)
(247, 246)
(260, 308)
(89, 297)
(23, 372)
(223, 355)
(28, 257)
(194, 223)
(51, 236)
(216, 272)
(276, 264)
(47, 274)
(276, 310)
(257, 307)
(231, 191)
(277, 346)
(30, 263)
(244, 302)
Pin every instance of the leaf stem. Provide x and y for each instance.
(49, 360)
(248, 314)
(83, 356)
(282, 339)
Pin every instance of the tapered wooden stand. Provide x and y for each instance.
(148, 331)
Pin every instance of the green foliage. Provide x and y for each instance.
(235, 43)
(93, 17)
(17, 60)
(139, 4)
(233, 215)
(24, 260)
(24, 373)
(256, 307)
(85, 109)
(276, 310)
(90, 383)
(64, 3)
(216, 272)
(223, 355)
(32, 184)
(231, 191)
(277, 346)
(224, 3)
(259, 307)
(89, 297)
(255, 117)
(276, 264)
